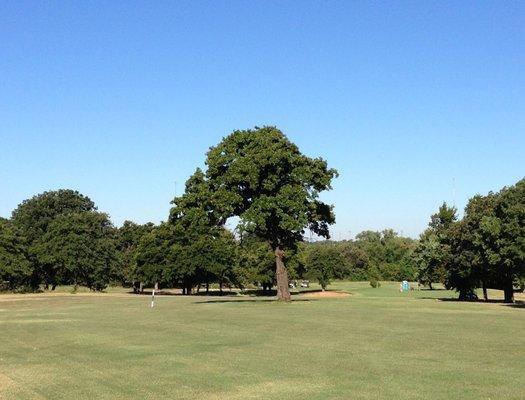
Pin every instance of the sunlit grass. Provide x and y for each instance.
(373, 344)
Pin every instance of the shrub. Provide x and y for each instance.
(375, 283)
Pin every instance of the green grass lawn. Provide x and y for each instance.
(374, 344)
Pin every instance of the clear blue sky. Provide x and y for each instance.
(120, 100)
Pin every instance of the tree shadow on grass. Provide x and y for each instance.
(215, 293)
(516, 304)
(170, 292)
(157, 293)
(311, 291)
(259, 293)
(211, 293)
(248, 301)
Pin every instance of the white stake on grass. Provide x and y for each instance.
(153, 298)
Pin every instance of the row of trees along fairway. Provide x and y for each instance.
(257, 175)
(486, 248)
(261, 180)
(76, 245)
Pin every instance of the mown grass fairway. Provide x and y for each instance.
(375, 344)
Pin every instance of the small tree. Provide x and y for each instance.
(220, 259)
(256, 263)
(462, 271)
(33, 218)
(323, 263)
(497, 235)
(433, 250)
(128, 237)
(81, 249)
(155, 256)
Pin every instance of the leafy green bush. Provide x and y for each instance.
(375, 283)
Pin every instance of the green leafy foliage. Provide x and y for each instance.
(128, 237)
(323, 264)
(80, 248)
(380, 255)
(256, 263)
(187, 252)
(261, 177)
(33, 218)
(489, 243)
(388, 253)
(34, 215)
(15, 267)
(433, 252)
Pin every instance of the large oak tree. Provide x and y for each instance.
(261, 177)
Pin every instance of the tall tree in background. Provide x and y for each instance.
(509, 254)
(220, 258)
(15, 268)
(33, 218)
(256, 263)
(155, 256)
(487, 246)
(497, 231)
(261, 177)
(35, 214)
(477, 239)
(433, 251)
(81, 248)
(324, 264)
(127, 240)
(463, 264)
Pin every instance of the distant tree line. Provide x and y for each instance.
(59, 238)
(373, 256)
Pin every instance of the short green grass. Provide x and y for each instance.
(374, 344)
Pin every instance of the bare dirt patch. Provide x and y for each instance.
(325, 294)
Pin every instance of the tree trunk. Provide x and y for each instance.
(485, 294)
(509, 292)
(430, 285)
(220, 288)
(207, 288)
(141, 288)
(283, 291)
